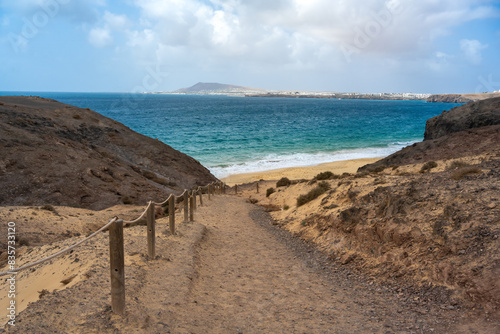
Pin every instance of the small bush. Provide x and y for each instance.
(324, 176)
(286, 207)
(359, 175)
(269, 192)
(317, 191)
(283, 182)
(126, 200)
(428, 166)
(324, 185)
(463, 172)
(378, 169)
(457, 164)
(48, 207)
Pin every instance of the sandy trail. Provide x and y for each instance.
(232, 271)
(250, 277)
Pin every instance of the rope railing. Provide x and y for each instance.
(64, 251)
(115, 227)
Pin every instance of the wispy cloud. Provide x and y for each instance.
(318, 43)
(472, 50)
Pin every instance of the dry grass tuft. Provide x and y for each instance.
(464, 171)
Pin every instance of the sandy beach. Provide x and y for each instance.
(294, 173)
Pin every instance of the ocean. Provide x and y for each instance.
(232, 135)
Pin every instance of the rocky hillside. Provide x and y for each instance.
(461, 98)
(463, 131)
(53, 153)
(425, 217)
(469, 116)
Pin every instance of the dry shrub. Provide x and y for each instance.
(457, 164)
(126, 200)
(377, 169)
(317, 191)
(463, 172)
(326, 176)
(428, 166)
(283, 182)
(50, 208)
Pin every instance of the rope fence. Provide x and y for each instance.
(116, 248)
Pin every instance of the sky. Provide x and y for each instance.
(369, 46)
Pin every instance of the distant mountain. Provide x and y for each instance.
(216, 88)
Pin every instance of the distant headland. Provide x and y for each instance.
(211, 88)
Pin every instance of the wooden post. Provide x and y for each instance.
(201, 196)
(223, 188)
(171, 214)
(194, 199)
(191, 204)
(208, 192)
(186, 205)
(150, 219)
(257, 188)
(236, 189)
(117, 267)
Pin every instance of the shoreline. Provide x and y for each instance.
(295, 173)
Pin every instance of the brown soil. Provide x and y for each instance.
(438, 228)
(231, 271)
(483, 141)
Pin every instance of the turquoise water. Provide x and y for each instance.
(232, 135)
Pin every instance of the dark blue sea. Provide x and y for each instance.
(231, 135)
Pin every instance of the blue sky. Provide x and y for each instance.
(420, 46)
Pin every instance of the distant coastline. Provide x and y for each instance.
(347, 96)
(202, 88)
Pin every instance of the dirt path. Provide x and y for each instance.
(250, 277)
(232, 271)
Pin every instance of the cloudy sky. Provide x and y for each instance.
(421, 46)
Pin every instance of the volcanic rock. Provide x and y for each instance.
(54, 153)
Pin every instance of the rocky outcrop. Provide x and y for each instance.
(467, 130)
(469, 116)
(54, 153)
(461, 98)
(449, 98)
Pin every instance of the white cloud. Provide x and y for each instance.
(115, 22)
(472, 50)
(260, 36)
(100, 37)
(230, 26)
